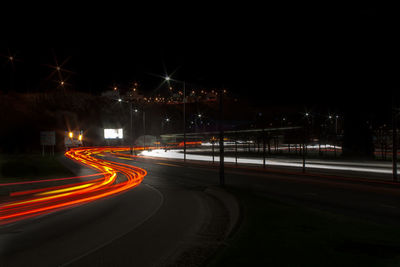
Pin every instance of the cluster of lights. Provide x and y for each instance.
(203, 95)
(71, 135)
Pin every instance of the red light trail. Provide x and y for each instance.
(30, 202)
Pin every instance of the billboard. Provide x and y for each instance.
(113, 134)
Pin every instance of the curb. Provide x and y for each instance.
(231, 204)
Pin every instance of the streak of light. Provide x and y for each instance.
(22, 204)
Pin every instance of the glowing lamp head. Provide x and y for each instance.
(70, 134)
(119, 100)
(80, 137)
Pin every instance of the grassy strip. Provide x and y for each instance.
(23, 167)
(277, 234)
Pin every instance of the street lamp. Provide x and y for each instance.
(167, 78)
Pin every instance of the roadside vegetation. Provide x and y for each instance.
(14, 168)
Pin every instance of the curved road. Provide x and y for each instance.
(171, 218)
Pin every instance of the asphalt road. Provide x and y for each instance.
(367, 199)
(169, 214)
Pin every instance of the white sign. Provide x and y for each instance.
(48, 138)
(113, 134)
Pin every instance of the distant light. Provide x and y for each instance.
(80, 137)
(307, 114)
(62, 83)
(199, 115)
(119, 100)
(136, 110)
(58, 68)
(284, 119)
(330, 117)
(167, 78)
(115, 88)
(337, 116)
(167, 119)
(70, 134)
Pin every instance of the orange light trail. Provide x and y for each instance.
(22, 204)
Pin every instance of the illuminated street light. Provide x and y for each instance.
(71, 134)
(119, 100)
(199, 115)
(80, 137)
(167, 78)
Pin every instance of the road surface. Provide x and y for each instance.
(170, 218)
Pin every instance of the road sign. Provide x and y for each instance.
(48, 138)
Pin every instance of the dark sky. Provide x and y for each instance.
(334, 56)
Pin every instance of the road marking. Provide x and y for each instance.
(168, 164)
(124, 158)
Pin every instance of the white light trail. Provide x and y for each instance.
(334, 165)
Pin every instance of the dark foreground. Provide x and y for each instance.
(286, 220)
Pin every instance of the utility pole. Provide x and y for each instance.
(236, 152)
(144, 130)
(184, 122)
(131, 128)
(304, 148)
(263, 139)
(394, 149)
(221, 141)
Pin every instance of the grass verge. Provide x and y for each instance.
(30, 167)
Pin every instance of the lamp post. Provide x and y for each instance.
(167, 78)
(132, 138)
(132, 124)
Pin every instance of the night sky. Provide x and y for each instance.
(339, 58)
